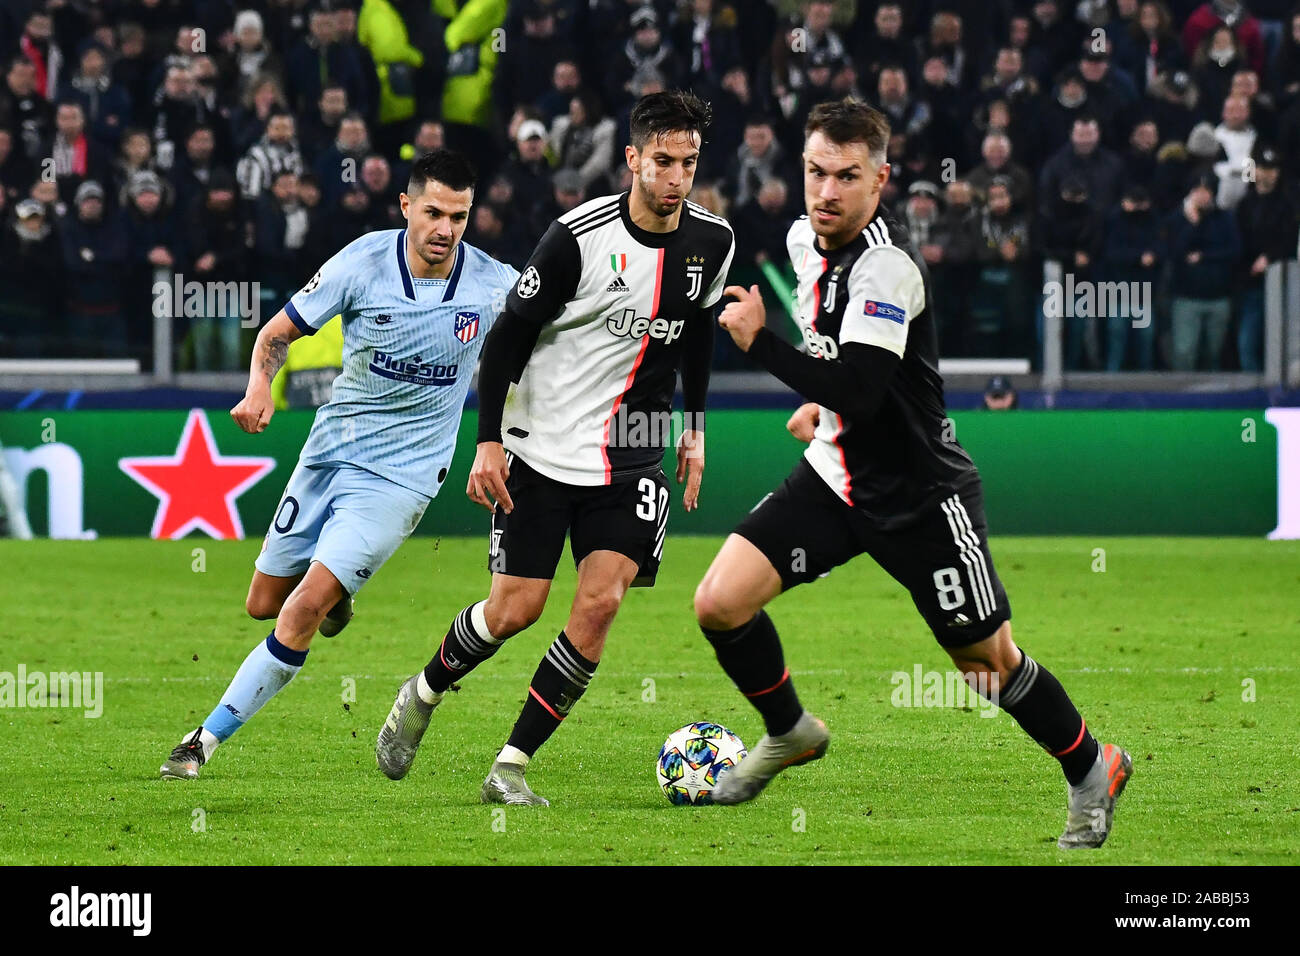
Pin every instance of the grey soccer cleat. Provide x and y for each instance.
(337, 618)
(186, 759)
(400, 736)
(506, 784)
(1092, 803)
(805, 742)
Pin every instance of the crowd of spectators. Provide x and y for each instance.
(1149, 141)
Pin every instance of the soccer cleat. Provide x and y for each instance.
(505, 784)
(805, 742)
(402, 732)
(337, 618)
(186, 759)
(1092, 803)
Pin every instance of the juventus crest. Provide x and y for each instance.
(694, 276)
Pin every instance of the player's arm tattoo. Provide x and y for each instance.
(274, 352)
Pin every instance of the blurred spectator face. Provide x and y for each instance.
(221, 200)
(487, 222)
(1018, 32)
(646, 36)
(568, 198)
(1094, 71)
(285, 187)
(428, 137)
(178, 85)
(1127, 9)
(1149, 19)
(265, 95)
(892, 85)
(819, 76)
(818, 19)
(92, 63)
(501, 192)
(958, 193)
(1223, 47)
(772, 196)
(249, 37)
(577, 112)
(999, 115)
(69, 121)
(200, 145)
(309, 193)
(1295, 27)
(38, 26)
(279, 129)
(1266, 178)
(934, 72)
(1046, 12)
(205, 73)
(565, 77)
(147, 201)
(355, 201)
(1236, 112)
(188, 40)
(1146, 137)
(345, 21)
(922, 207)
(22, 78)
(1084, 136)
(352, 135)
(999, 200)
(1201, 197)
(736, 82)
(541, 25)
(532, 150)
(324, 27)
(1245, 83)
(90, 209)
(137, 148)
(6, 145)
(333, 103)
(376, 174)
(1132, 206)
(758, 138)
(996, 150)
(1008, 64)
(45, 191)
(889, 20)
(845, 79)
(945, 30)
(703, 9)
(131, 41)
(1072, 93)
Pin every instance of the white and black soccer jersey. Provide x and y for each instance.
(616, 305)
(875, 291)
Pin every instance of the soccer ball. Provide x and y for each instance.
(692, 758)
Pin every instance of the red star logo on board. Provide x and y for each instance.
(197, 486)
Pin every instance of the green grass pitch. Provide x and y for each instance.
(1182, 650)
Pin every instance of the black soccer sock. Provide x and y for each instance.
(561, 678)
(463, 649)
(751, 655)
(1043, 709)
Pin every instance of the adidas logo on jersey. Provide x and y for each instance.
(618, 285)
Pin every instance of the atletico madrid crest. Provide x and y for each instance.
(466, 326)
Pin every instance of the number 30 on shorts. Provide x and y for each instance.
(654, 499)
(947, 582)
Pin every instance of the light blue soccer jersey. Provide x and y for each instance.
(409, 351)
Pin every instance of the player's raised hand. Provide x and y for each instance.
(745, 317)
(690, 466)
(254, 411)
(487, 478)
(803, 423)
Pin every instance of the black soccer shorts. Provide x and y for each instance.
(943, 559)
(628, 517)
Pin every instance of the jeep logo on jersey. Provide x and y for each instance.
(820, 346)
(413, 370)
(627, 323)
(466, 325)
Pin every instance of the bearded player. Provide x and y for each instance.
(416, 306)
(618, 296)
(878, 478)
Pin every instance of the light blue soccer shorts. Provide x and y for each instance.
(349, 519)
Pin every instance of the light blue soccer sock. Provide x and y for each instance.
(264, 673)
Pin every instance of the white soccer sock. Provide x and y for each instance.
(512, 755)
(427, 693)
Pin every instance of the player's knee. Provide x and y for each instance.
(261, 608)
(715, 611)
(508, 618)
(598, 607)
(996, 654)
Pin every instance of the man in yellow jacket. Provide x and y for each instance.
(474, 38)
(314, 361)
